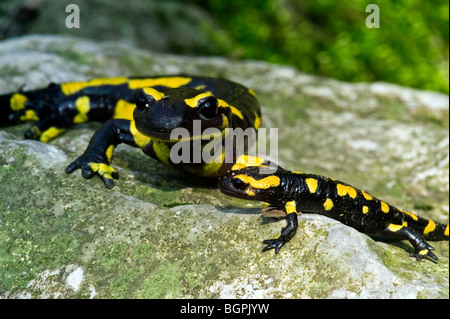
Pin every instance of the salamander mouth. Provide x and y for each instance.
(174, 125)
(228, 192)
(160, 136)
(224, 186)
(185, 136)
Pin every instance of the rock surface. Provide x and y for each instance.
(157, 234)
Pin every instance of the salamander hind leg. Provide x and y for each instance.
(52, 117)
(46, 115)
(421, 248)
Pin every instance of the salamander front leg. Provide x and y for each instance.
(97, 157)
(287, 232)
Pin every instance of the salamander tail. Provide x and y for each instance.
(437, 231)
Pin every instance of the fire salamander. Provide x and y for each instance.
(141, 112)
(295, 192)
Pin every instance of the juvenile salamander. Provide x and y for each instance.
(295, 192)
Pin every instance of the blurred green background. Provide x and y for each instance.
(324, 37)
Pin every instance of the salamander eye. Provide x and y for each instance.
(144, 102)
(208, 108)
(238, 183)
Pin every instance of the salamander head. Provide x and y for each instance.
(158, 113)
(251, 183)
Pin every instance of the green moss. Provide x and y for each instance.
(395, 255)
(10, 71)
(160, 197)
(107, 257)
(131, 245)
(162, 283)
(73, 55)
(319, 290)
(32, 238)
(439, 119)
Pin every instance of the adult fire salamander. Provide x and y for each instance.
(295, 192)
(141, 112)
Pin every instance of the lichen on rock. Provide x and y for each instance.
(157, 234)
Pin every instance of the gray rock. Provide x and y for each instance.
(157, 234)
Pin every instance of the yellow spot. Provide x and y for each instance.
(257, 123)
(51, 133)
(140, 139)
(252, 92)
(312, 184)
(238, 166)
(365, 209)
(430, 227)
(109, 152)
(29, 115)
(251, 160)
(194, 101)
(73, 87)
(211, 168)
(343, 190)
(298, 172)
(264, 183)
(234, 110)
(366, 196)
(83, 106)
(152, 92)
(290, 207)
(412, 215)
(328, 205)
(250, 192)
(446, 231)
(225, 121)
(384, 207)
(246, 161)
(104, 170)
(423, 252)
(17, 102)
(200, 87)
(162, 151)
(394, 228)
(171, 82)
(124, 110)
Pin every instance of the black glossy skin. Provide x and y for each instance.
(141, 119)
(392, 223)
(59, 107)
